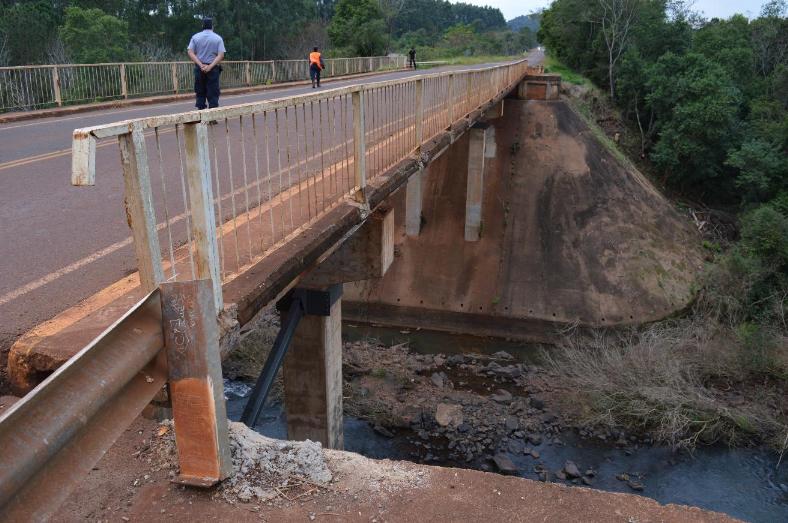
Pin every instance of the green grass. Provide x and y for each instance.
(553, 65)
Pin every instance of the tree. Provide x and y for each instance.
(616, 18)
(698, 107)
(92, 36)
(390, 9)
(359, 26)
(28, 29)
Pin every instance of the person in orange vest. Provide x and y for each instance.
(315, 66)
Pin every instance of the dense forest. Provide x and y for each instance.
(705, 104)
(90, 31)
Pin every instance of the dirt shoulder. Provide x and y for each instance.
(132, 483)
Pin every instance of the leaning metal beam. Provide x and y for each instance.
(50, 439)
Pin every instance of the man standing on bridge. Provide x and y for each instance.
(315, 66)
(206, 50)
(412, 57)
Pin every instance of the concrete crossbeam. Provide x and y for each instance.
(366, 255)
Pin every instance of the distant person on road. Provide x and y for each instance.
(316, 65)
(412, 58)
(206, 50)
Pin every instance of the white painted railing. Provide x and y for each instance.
(209, 193)
(43, 86)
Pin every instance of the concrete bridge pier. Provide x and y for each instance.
(312, 373)
(312, 369)
(413, 203)
(478, 142)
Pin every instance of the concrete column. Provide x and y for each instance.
(312, 374)
(413, 204)
(475, 187)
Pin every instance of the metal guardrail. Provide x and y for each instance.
(234, 183)
(44, 86)
(52, 437)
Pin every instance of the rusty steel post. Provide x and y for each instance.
(191, 339)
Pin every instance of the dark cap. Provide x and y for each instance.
(207, 23)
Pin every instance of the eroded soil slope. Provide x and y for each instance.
(570, 235)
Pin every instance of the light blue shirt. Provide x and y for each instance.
(206, 45)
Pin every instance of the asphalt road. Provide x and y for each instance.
(61, 244)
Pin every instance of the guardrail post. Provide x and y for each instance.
(370, 64)
(332, 67)
(174, 73)
(139, 208)
(124, 91)
(359, 145)
(56, 86)
(248, 73)
(273, 71)
(198, 175)
(419, 114)
(191, 340)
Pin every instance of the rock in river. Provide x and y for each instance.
(504, 464)
(571, 470)
(502, 396)
(446, 414)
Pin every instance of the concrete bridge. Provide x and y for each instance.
(292, 199)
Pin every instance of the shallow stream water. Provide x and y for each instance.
(744, 483)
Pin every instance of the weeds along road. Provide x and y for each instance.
(60, 244)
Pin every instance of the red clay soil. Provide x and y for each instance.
(123, 487)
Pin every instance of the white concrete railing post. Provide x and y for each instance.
(248, 73)
(124, 90)
(56, 87)
(174, 74)
(139, 208)
(359, 146)
(419, 133)
(273, 71)
(198, 176)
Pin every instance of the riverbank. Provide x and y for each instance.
(493, 406)
(133, 483)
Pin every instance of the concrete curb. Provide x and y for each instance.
(117, 104)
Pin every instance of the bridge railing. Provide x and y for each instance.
(210, 193)
(278, 166)
(44, 86)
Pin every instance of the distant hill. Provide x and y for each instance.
(530, 21)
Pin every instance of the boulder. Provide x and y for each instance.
(448, 415)
(504, 464)
(571, 470)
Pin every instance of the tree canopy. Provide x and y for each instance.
(49, 31)
(708, 95)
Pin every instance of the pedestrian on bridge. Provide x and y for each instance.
(412, 58)
(316, 65)
(206, 50)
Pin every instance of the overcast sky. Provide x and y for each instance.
(711, 8)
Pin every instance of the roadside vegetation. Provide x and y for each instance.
(700, 106)
(42, 32)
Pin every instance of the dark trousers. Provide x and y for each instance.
(314, 74)
(206, 86)
(412, 62)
